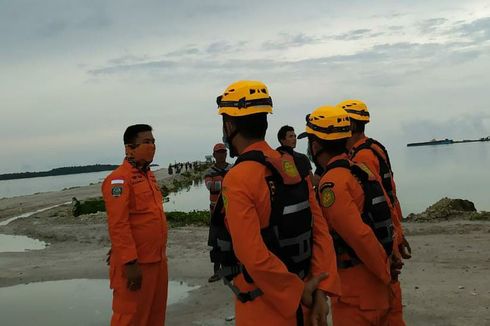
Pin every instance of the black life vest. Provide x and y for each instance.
(376, 213)
(289, 234)
(385, 171)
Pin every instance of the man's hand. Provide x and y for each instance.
(310, 287)
(405, 249)
(320, 309)
(133, 274)
(396, 265)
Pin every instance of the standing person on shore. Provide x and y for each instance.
(274, 243)
(359, 216)
(213, 177)
(138, 233)
(287, 138)
(373, 154)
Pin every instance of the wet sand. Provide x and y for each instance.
(446, 282)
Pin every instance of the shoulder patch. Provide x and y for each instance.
(327, 196)
(117, 191)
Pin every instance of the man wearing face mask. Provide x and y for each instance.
(359, 216)
(138, 234)
(277, 255)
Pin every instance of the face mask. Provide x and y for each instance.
(312, 157)
(143, 153)
(227, 141)
(308, 153)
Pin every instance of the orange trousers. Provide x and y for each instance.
(344, 314)
(395, 316)
(145, 307)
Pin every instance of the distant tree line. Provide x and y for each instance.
(59, 171)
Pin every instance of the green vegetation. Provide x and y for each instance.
(89, 206)
(177, 218)
(480, 216)
(59, 171)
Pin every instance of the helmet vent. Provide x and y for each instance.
(252, 91)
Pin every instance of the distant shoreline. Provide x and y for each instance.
(59, 171)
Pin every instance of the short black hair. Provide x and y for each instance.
(252, 126)
(132, 132)
(357, 125)
(331, 147)
(281, 134)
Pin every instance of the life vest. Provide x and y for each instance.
(385, 171)
(376, 214)
(214, 178)
(289, 234)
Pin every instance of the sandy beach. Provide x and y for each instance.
(445, 283)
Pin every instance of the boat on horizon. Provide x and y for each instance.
(448, 141)
(432, 142)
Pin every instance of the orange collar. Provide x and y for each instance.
(261, 145)
(359, 142)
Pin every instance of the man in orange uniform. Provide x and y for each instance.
(362, 246)
(373, 154)
(138, 233)
(270, 293)
(213, 178)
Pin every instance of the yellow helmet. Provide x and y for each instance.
(356, 109)
(328, 123)
(245, 97)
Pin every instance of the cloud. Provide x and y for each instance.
(431, 25)
(464, 126)
(128, 59)
(124, 68)
(355, 34)
(477, 30)
(185, 51)
(384, 60)
(286, 40)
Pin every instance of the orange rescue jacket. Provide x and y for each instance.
(247, 204)
(367, 157)
(342, 200)
(137, 222)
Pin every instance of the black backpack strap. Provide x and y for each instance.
(342, 163)
(256, 156)
(359, 173)
(385, 152)
(259, 157)
(368, 145)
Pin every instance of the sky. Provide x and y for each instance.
(75, 74)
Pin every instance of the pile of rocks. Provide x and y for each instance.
(447, 208)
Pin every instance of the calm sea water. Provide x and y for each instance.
(20, 187)
(426, 174)
(423, 176)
